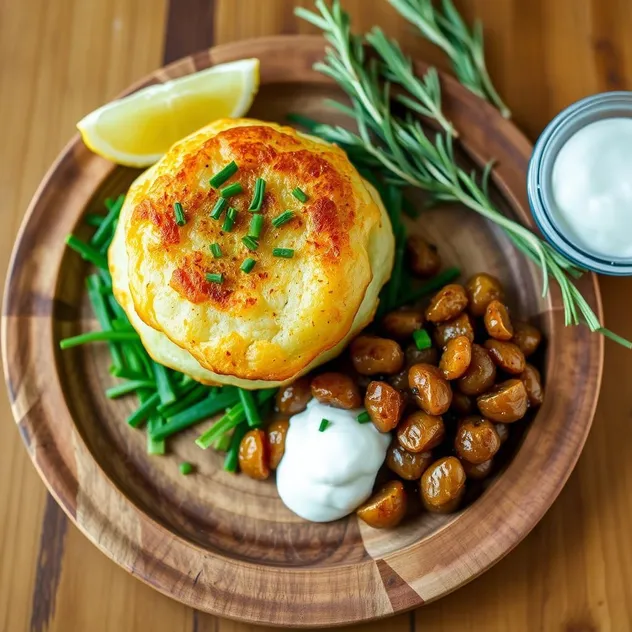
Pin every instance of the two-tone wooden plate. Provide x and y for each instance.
(226, 544)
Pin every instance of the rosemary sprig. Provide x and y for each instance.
(446, 28)
(400, 148)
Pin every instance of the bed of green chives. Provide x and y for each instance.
(170, 402)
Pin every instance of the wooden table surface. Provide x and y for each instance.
(59, 59)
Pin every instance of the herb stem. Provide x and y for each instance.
(250, 408)
(190, 416)
(87, 252)
(98, 336)
(232, 456)
(131, 386)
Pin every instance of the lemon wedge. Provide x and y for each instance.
(137, 130)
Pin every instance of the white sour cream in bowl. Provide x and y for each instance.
(579, 183)
(325, 475)
(592, 187)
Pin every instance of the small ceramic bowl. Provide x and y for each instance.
(539, 177)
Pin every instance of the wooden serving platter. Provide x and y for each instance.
(226, 544)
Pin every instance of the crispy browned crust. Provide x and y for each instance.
(269, 324)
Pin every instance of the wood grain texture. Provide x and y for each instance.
(573, 571)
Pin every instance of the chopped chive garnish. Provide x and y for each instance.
(247, 265)
(256, 226)
(214, 278)
(221, 176)
(229, 220)
(181, 220)
(253, 416)
(422, 339)
(98, 336)
(323, 425)
(257, 197)
(364, 417)
(185, 468)
(231, 189)
(285, 253)
(218, 209)
(285, 217)
(216, 250)
(250, 243)
(300, 195)
(153, 446)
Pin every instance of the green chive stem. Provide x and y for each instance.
(186, 397)
(221, 176)
(156, 447)
(196, 413)
(223, 443)
(131, 386)
(256, 226)
(178, 211)
(364, 417)
(285, 217)
(250, 408)
(144, 411)
(250, 243)
(422, 339)
(101, 234)
(163, 384)
(284, 253)
(214, 278)
(102, 313)
(300, 195)
(232, 189)
(229, 220)
(230, 420)
(232, 456)
(98, 336)
(257, 197)
(247, 265)
(216, 250)
(87, 252)
(218, 209)
(93, 219)
(323, 425)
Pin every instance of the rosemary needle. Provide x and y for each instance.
(400, 148)
(447, 29)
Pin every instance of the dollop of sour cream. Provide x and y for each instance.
(326, 475)
(592, 187)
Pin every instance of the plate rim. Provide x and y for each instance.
(309, 46)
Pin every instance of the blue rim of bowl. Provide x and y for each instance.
(583, 112)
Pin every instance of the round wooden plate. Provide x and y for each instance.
(226, 544)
